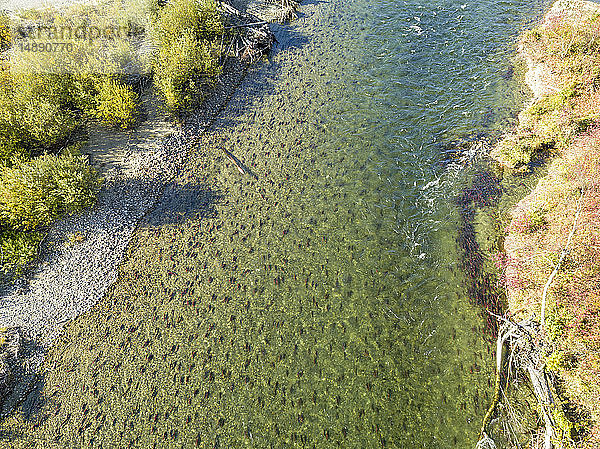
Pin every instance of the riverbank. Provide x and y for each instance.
(552, 248)
(80, 256)
(316, 304)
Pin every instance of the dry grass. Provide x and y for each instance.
(533, 246)
(566, 51)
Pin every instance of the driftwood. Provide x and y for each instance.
(529, 348)
(288, 10)
(250, 37)
(242, 168)
(528, 354)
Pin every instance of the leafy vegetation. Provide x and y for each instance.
(530, 220)
(5, 34)
(188, 34)
(116, 104)
(17, 249)
(37, 186)
(570, 51)
(35, 193)
(41, 113)
(32, 116)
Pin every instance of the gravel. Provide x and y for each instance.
(71, 277)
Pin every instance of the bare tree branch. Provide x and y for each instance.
(563, 254)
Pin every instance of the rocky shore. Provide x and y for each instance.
(81, 254)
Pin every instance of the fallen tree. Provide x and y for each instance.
(249, 36)
(523, 347)
(520, 350)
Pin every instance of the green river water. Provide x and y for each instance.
(321, 304)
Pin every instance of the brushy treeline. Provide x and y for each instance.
(43, 177)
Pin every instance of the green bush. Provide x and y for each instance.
(116, 104)
(200, 17)
(75, 92)
(35, 193)
(11, 153)
(31, 113)
(17, 249)
(5, 33)
(45, 124)
(188, 35)
(83, 91)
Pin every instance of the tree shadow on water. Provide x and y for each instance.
(22, 392)
(180, 203)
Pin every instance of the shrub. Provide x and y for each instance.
(5, 33)
(516, 150)
(116, 104)
(187, 33)
(35, 193)
(83, 89)
(17, 249)
(11, 153)
(45, 124)
(31, 113)
(549, 124)
(200, 17)
(74, 92)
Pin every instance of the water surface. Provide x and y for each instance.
(320, 304)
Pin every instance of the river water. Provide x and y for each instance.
(320, 304)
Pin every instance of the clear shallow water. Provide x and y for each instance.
(321, 304)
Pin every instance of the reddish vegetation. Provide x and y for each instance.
(566, 117)
(574, 297)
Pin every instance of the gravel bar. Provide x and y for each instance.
(71, 277)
